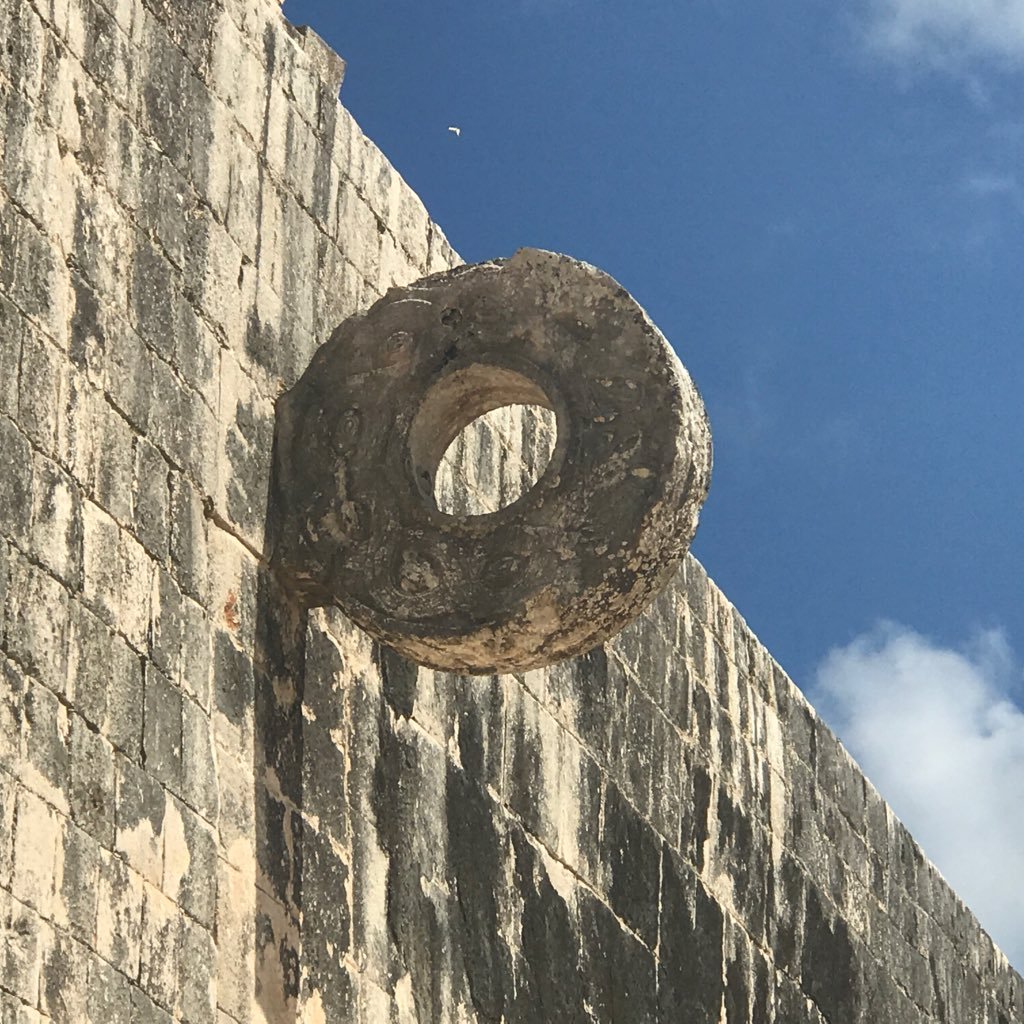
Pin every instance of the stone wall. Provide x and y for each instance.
(214, 807)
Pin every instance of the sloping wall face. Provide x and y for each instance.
(215, 807)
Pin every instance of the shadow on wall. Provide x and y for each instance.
(438, 847)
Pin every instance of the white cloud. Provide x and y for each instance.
(988, 183)
(990, 187)
(949, 32)
(939, 734)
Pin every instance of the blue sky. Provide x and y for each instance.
(821, 205)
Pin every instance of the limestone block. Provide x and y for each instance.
(374, 178)
(633, 734)
(321, 63)
(839, 777)
(339, 146)
(396, 266)
(171, 205)
(122, 724)
(690, 975)
(666, 778)
(36, 839)
(129, 380)
(327, 175)
(77, 874)
(213, 275)
(237, 813)
(27, 940)
(50, 179)
(340, 287)
(182, 426)
(151, 500)
(243, 199)
(326, 871)
(617, 976)
(361, 239)
(646, 653)
(139, 819)
(195, 675)
(190, 862)
(197, 354)
(146, 1011)
(298, 260)
(199, 781)
(91, 784)
(440, 255)
(46, 745)
(110, 142)
(277, 953)
(160, 948)
(412, 226)
(110, 994)
(180, 639)
(277, 134)
(16, 471)
(101, 238)
(12, 713)
(173, 106)
(166, 627)
(190, 27)
(79, 423)
(37, 624)
(631, 865)
(324, 764)
(307, 175)
(57, 522)
(106, 52)
(233, 698)
(586, 695)
(547, 783)
(111, 469)
(155, 300)
(60, 88)
(25, 50)
(135, 583)
(39, 390)
(197, 974)
(162, 729)
(676, 687)
(189, 559)
(8, 801)
(796, 719)
(10, 357)
(238, 77)
(235, 930)
(247, 427)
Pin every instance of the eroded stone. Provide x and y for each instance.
(573, 559)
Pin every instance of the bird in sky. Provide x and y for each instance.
(454, 130)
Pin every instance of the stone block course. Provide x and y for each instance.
(27, 939)
(37, 623)
(109, 998)
(91, 781)
(39, 392)
(188, 547)
(36, 836)
(196, 783)
(56, 535)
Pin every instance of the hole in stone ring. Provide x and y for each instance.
(482, 437)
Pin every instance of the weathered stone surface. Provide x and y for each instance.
(217, 807)
(361, 436)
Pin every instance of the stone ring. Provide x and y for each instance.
(573, 559)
